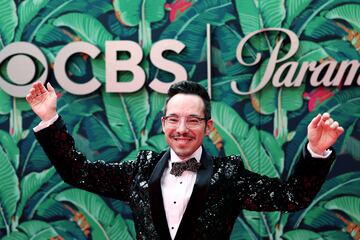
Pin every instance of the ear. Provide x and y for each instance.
(163, 123)
(209, 126)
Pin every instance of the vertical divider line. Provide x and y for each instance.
(208, 46)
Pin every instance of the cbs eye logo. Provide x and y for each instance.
(21, 68)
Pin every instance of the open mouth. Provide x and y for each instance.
(182, 139)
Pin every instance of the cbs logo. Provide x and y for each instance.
(21, 68)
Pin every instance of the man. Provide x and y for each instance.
(170, 201)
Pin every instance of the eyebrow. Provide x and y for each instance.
(191, 115)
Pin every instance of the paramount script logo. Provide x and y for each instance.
(279, 69)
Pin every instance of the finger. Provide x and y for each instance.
(28, 98)
(340, 130)
(334, 125)
(33, 92)
(42, 88)
(326, 116)
(329, 122)
(49, 87)
(315, 121)
(39, 88)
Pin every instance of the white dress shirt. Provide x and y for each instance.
(176, 191)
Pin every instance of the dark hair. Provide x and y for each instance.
(187, 87)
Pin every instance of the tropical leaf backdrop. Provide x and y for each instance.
(267, 129)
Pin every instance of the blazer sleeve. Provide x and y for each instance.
(261, 193)
(108, 179)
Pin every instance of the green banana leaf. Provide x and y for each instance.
(301, 234)
(255, 15)
(49, 34)
(126, 114)
(242, 231)
(51, 209)
(224, 57)
(308, 15)
(352, 147)
(133, 13)
(30, 184)
(27, 10)
(227, 121)
(347, 12)
(321, 28)
(71, 107)
(56, 8)
(271, 99)
(348, 204)
(319, 217)
(336, 235)
(9, 190)
(293, 9)
(21, 104)
(309, 52)
(68, 230)
(337, 186)
(231, 67)
(119, 30)
(249, 16)
(221, 88)
(238, 139)
(77, 66)
(10, 147)
(158, 142)
(190, 28)
(253, 117)
(157, 103)
(259, 160)
(6, 103)
(16, 236)
(98, 68)
(273, 149)
(103, 221)
(54, 185)
(119, 229)
(87, 27)
(36, 229)
(8, 22)
(100, 135)
(340, 50)
(140, 13)
(262, 223)
(272, 13)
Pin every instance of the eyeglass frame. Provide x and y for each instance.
(165, 118)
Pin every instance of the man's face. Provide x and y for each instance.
(182, 139)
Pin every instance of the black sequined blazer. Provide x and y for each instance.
(222, 189)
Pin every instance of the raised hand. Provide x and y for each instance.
(42, 100)
(323, 132)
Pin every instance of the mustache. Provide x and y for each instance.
(182, 135)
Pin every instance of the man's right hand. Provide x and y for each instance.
(42, 100)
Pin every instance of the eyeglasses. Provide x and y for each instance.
(190, 122)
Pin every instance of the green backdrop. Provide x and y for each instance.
(268, 128)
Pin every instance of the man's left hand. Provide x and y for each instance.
(323, 132)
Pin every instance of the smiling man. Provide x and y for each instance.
(183, 193)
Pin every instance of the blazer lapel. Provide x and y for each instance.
(156, 199)
(197, 199)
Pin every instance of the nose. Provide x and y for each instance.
(182, 126)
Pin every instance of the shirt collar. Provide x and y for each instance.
(175, 158)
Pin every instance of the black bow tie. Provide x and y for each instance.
(179, 167)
